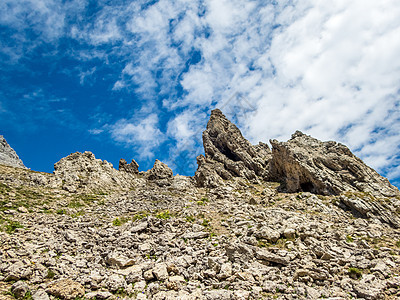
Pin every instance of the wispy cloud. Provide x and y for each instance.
(145, 135)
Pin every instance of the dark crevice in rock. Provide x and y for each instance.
(307, 187)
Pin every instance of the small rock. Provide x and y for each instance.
(148, 275)
(40, 295)
(160, 271)
(268, 256)
(116, 259)
(116, 282)
(289, 233)
(22, 209)
(145, 247)
(139, 227)
(268, 234)
(19, 289)
(66, 289)
(98, 295)
(196, 235)
(226, 270)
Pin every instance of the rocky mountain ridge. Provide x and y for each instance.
(303, 220)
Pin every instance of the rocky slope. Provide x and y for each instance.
(8, 156)
(89, 231)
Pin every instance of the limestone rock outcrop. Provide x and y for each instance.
(160, 173)
(371, 208)
(8, 156)
(83, 171)
(329, 168)
(228, 154)
(132, 168)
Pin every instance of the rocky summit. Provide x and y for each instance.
(303, 220)
(8, 156)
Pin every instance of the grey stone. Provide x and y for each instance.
(160, 271)
(159, 171)
(8, 156)
(19, 289)
(66, 289)
(228, 154)
(306, 164)
(196, 235)
(40, 295)
(132, 168)
(268, 256)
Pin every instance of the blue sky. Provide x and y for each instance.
(137, 79)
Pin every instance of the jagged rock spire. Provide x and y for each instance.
(228, 154)
(8, 156)
(132, 168)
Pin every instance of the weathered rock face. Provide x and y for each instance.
(84, 171)
(371, 208)
(306, 164)
(8, 156)
(132, 168)
(159, 171)
(228, 154)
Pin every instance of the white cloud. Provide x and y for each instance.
(143, 134)
(84, 76)
(96, 131)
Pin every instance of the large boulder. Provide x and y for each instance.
(228, 154)
(329, 168)
(8, 156)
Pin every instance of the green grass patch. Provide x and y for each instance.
(75, 204)
(120, 221)
(117, 222)
(12, 226)
(206, 223)
(88, 198)
(139, 216)
(355, 272)
(27, 194)
(204, 199)
(78, 214)
(50, 274)
(164, 215)
(190, 218)
(262, 244)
